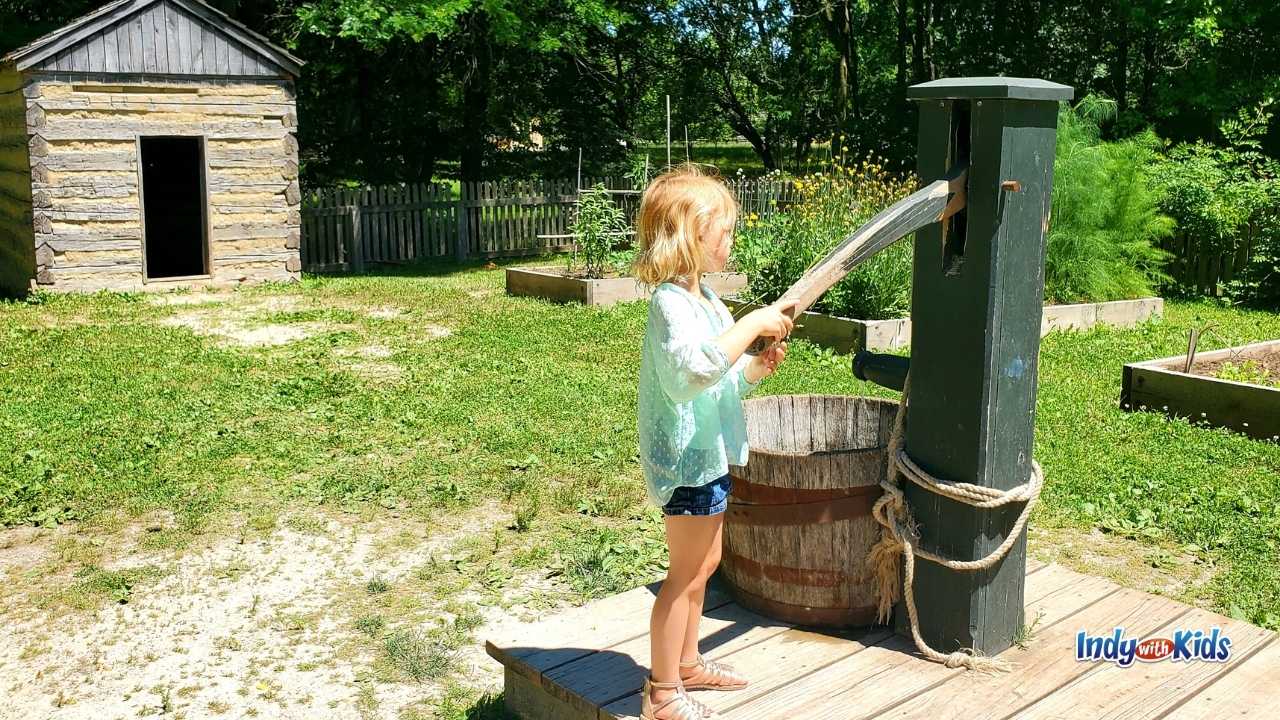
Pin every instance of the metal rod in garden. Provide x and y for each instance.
(668, 131)
(686, 143)
(578, 184)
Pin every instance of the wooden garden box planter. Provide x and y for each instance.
(848, 334)
(551, 283)
(1161, 386)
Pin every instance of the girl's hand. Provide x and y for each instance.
(766, 363)
(772, 321)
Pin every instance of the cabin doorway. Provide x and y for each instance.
(174, 207)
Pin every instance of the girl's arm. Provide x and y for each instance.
(688, 361)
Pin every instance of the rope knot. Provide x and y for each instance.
(900, 531)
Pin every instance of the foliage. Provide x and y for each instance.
(415, 90)
(776, 250)
(598, 224)
(1249, 371)
(1227, 199)
(1106, 218)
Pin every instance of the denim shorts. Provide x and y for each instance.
(708, 499)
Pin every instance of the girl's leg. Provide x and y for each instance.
(689, 651)
(689, 542)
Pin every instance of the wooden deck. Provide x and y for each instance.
(590, 662)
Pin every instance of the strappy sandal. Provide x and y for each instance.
(712, 675)
(683, 706)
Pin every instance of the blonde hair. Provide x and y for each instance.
(675, 210)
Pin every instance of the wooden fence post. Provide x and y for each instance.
(355, 260)
(461, 242)
(975, 337)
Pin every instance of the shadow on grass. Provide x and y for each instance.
(441, 267)
(489, 707)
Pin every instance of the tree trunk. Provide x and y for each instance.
(838, 22)
(904, 37)
(475, 97)
(1148, 77)
(1120, 71)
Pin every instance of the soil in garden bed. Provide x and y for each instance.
(1268, 364)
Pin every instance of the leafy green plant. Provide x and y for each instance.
(1248, 371)
(597, 224)
(1227, 199)
(1106, 213)
(776, 250)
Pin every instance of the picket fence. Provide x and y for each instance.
(346, 229)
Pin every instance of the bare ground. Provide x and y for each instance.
(235, 628)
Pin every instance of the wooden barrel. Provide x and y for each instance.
(799, 527)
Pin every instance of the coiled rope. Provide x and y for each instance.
(899, 533)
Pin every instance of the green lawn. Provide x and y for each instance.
(110, 402)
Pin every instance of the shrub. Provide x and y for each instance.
(776, 250)
(1106, 213)
(597, 223)
(1227, 198)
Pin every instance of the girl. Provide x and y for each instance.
(693, 376)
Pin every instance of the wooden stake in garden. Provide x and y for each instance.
(668, 131)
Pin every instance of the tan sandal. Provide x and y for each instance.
(712, 675)
(681, 705)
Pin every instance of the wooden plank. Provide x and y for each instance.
(1248, 690)
(1250, 409)
(201, 43)
(534, 648)
(525, 698)
(172, 49)
(791, 654)
(95, 55)
(186, 48)
(619, 671)
(1046, 664)
(222, 62)
(769, 663)
(147, 36)
(857, 688)
(1146, 690)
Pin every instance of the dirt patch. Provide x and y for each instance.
(191, 298)
(1260, 370)
(435, 331)
(1158, 569)
(238, 628)
(241, 333)
(229, 320)
(369, 361)
(385, 313)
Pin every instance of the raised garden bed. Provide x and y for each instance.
(553, 283)
(848, 334)
(1252, 408)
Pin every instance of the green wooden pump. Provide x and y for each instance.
(986, 151)
(975, 335)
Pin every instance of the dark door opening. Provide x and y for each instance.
(173, 198)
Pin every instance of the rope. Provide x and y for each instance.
(900, 530)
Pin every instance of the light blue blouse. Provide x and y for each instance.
(690, 403)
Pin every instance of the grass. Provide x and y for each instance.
(526, 409)
(730, 157)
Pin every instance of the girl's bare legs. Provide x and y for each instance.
(693, 542)
(689, 651)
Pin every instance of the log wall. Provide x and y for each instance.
(86, 181)
(17, 251)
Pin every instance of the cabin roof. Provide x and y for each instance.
(173, 37)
